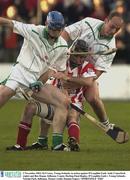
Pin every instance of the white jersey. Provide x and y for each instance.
(88, 29)
(36, 53)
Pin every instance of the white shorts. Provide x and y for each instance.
(21, 77)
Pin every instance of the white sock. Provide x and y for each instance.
(106, 122)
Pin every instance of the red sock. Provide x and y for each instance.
(24, 129)
(74, 130)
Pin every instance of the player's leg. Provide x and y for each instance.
(31, 109)
(24, 126)
(42, 141)
(46, 113)
(73, 130)
(43, 135)
(91, 95)
(5, 94)
(10, 85)
(52, 95)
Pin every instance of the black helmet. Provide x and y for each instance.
(80, 45)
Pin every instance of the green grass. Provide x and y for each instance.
(98, 151)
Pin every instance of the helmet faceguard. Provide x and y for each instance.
(79, 46)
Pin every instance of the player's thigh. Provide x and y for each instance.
(52, 95)
(6, 92)
(73, 116)
(92, 92)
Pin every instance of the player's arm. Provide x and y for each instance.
(74, 82)
(81, 81)
(45, 76)
(98, 73)
(66, 36)
(72, 31)
(61, 75)
(103, 64)
(6, 22)
(86, 78)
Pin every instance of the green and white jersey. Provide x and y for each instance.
(88, 29)
(36, 54)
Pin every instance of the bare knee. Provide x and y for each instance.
(93, 99)
(91, 94)
(30, 109)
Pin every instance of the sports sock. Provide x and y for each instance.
(43, 140)
(106, 122)
(23, 131)
(57, 139)
(74, 130)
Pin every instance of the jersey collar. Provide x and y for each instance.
(45, 34)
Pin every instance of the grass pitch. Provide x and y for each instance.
(98, 151)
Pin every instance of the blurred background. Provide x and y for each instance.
(35, 11)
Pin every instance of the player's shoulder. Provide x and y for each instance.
(92, 21)
(62, 41)
(87, 65)
(38, 28)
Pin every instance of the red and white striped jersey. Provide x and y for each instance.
(86, 70)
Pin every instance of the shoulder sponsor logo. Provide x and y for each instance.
(90, 70)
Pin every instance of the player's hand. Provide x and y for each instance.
(69, 86)
(36, 86)
(61, 76)
(45, 76)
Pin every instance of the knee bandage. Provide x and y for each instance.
(44, 110)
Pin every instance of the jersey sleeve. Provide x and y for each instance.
(23, 29)
(82, 28)
(104, 62)
(62, 60)
(75, 29)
